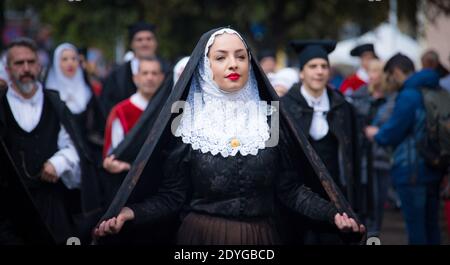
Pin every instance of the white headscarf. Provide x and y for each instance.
(218, 121)
(285, 77)
(3, 74)
(73, 91)
(178, 69)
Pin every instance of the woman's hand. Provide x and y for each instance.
(115, 224)
(346, 224)
(112, 165)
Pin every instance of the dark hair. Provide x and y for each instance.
(401, 62)
(134, 28)
(431, 55)
(266, 53)
(151, 59)
(21, 42)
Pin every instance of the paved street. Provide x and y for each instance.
(393, 231)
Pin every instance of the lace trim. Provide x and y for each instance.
(237, 127)
(216, 121)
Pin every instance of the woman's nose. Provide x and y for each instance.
(232, 63)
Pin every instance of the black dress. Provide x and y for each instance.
(247, 193)
(231, 200)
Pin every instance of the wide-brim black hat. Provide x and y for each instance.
(360, 49)
(311, 49)
(140, 26)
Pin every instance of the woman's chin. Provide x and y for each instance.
(232, 89)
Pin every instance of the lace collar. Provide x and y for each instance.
(216, 121)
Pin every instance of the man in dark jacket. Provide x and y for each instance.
(40, 140)
(330, 122)
(119, 84)
(416, 183)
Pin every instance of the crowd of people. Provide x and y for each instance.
(259, 155)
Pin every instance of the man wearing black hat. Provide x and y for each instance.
(366, 53)
(267, 61)
(119, 84)
(329, 121)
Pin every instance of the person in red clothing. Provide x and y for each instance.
(126, 113)
(366, 53)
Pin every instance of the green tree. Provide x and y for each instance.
(181, 22)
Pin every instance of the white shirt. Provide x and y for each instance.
(362, 74)
(3, 73)
(27, 113)
(117, 131)
(134, 65)
(321, 105)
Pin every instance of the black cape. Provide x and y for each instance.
(88, 204)
(90, 122)
(146, 169)
(343, 127)
(342, 122)
(117, 86)
(129, 148)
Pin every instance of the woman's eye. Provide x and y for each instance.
(220, 58)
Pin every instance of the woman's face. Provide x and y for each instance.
(229, 62)
(375, 73)
(69, 63)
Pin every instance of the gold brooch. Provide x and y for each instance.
(235, 143)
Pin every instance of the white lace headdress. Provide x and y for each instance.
(223, 122)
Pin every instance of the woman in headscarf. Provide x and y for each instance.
(178, 68)
(218, 162)
(66, 76)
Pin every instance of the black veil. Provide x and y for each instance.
(129, 147)
(146, 168)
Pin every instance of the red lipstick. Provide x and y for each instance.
(233, 76)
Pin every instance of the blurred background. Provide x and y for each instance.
(101, 25)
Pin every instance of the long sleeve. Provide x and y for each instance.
(355, 181)
(302, 200)
(401, 120)
(117, 133)
(298, 197)
(172, 191)
(66, 161)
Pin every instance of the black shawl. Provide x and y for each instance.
(146, 168)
